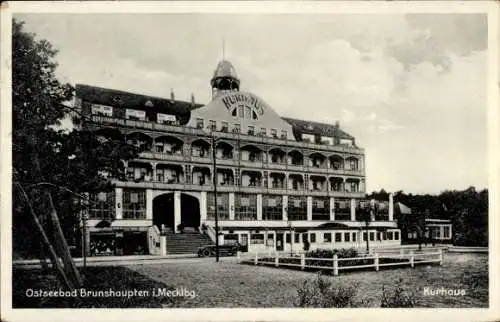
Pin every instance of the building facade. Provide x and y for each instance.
(280, 181)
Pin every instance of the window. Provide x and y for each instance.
(365, 236)
(135, 114)
(312, 237)
(101, 110)
(296, 238)
(284, 135)
(248, 114)
(389, 235)
(297, 208)
(224, 127)
(245, 207)
(263, 131)
(446, 232)
(241, 111)
(270, 240)
(354, 237)
(354, 164)
(338, 237)
(166, 118)
(347, 237)
(237, 128)
(272, 208)
(396, 235)
(257, 239)
(222, 206)
(199, 123)
(274, 133)
(372, 236)
(102, 205)
(327, 237)
(134, 204)
(287, 238)
(212, 125)
(251, 130)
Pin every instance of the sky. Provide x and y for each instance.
(411, 88)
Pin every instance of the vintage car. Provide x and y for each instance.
(228, 249)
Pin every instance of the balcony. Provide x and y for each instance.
(234, 136)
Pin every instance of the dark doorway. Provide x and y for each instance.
(279, 241)
(190, 211)
(244, 243)
(163, 210)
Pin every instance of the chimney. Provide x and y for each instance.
(172, 95)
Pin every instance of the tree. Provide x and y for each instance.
(52, 167)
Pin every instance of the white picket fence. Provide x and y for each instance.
(276, 259)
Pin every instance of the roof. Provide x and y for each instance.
(225, 69)
(112, 97)
(310, 127)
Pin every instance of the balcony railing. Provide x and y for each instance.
(235, 136)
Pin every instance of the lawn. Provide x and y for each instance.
(234, 285)
(227, 284)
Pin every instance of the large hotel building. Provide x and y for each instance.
(280, 181)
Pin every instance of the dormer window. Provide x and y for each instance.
(274, 133)
(284, 135)
(251, 130)
(212, 125)
(101, 110)
(199, 123)
(166, 118)
(263, 131)
(237, 128)
(135, 114)
(224, 127)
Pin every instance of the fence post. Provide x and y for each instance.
(277, 260)
(335, 265)
(375, 261)
(302, 261)
(256, 259)
(238, 257)
(440, 256)
(412, 259)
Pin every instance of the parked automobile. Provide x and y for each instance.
(228, 249)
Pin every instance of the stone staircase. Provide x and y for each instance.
(186, 243)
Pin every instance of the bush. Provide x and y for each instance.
(322, 293)
(398, 297)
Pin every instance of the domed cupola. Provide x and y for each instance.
(224, 79)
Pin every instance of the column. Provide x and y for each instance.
(353, 209)
(285, 208)
(332, 208)
(391, 207)
(118, 203)
(231, 206)
(259, 207)
(149, 204)
(309, 208)
(153, 165)
(177, 210)
(203, 206)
